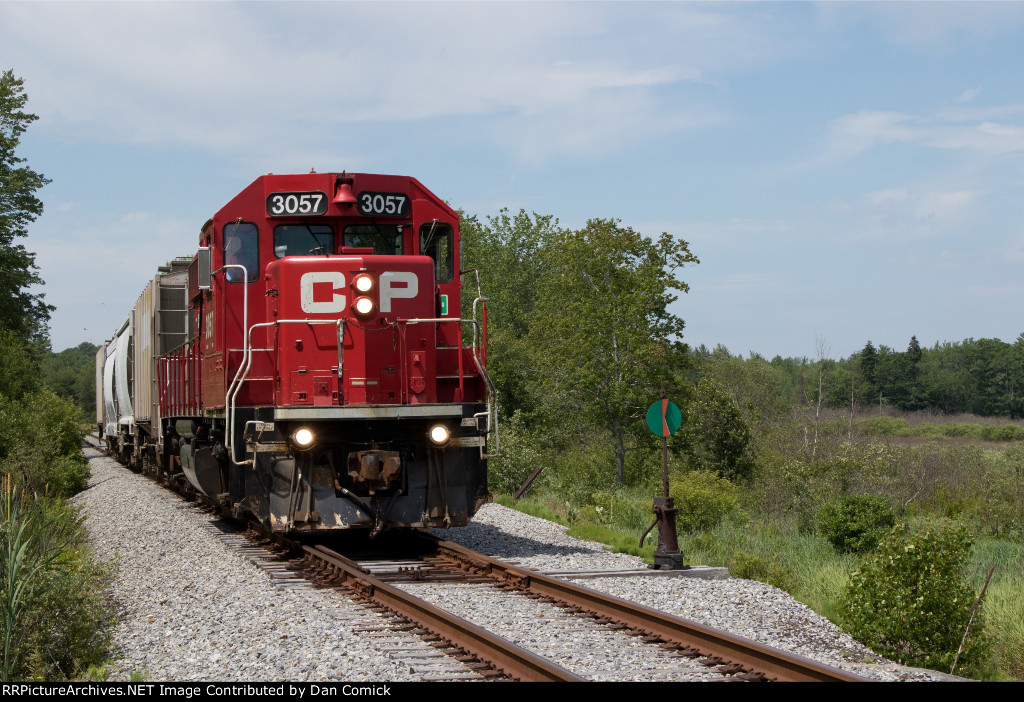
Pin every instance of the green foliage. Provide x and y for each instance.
(56, 621)
(576, 475)
(855, 523)
(751, 566)
(21, 312)
(18, 371)
(910, 602)
(602, 336)
(614, 539)
(520, 455)
(506, 250)
(703, 499)
(883, 426)
(715, 434)
(72, 373)
(532, 508)
(1003, 432)
(756, 385)
(40, 441)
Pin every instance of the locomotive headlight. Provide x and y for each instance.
(439, 434)
(303, 438)
(363, 306)
(364, 283)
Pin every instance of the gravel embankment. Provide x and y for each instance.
(191, 608)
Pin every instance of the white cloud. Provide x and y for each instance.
(957, 130)
(968, 95)
(258, 80)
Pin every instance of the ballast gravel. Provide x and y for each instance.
(191, 608)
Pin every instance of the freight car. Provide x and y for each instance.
(310, 365)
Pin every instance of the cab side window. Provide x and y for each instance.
(242, 247)
(436, 241)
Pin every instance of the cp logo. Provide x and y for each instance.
(310, 283)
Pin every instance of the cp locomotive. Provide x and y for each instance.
(310, 365)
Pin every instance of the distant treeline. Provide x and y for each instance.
(975, 376)
(72, 373)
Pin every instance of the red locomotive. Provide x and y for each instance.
(310, 365)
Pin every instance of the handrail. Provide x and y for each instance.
(492, 394)
(243, 371)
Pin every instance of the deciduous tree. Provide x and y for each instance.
(603, 335)
(21, 311)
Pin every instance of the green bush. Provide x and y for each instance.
(910, 601)
(518, 458)
(703, 499)
(716, 435)
(1005, 432)
(958, 430)
(40, 444)
(884, 426)
(855, 523)
(752, 566)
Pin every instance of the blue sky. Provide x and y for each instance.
(844, 171)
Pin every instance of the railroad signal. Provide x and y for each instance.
(664, 418)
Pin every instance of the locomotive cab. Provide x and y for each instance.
(329, 381)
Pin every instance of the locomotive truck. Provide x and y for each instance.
(310, 365)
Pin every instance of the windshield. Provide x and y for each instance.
(384, 239)
(303, 240)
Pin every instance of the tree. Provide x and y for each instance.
(21, 312)
(506, 252)
(716, 436)
(602, 337)
(868, 360)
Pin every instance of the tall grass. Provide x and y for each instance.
(55, 618)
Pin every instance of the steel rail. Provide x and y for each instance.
(511, 659)
(751, 655)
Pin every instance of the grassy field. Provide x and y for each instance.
(965, 474)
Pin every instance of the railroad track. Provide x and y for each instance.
(417, 593)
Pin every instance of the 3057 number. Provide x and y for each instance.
(304, 203)
(383, 204)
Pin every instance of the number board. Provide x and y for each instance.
(383, 204)
(305, 203)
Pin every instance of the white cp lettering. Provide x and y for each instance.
(306, 287)
(389, 292)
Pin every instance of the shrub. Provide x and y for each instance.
(752, 566)
(518, 458)
(910, 602)
(716, 435)
(884, 426)
(703, 499)
(40, 444)
(958, 429)
(1005, 432)
(855, 523)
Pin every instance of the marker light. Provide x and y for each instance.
(363, 305)
(364, 283)
(303, 438)
(439, 434)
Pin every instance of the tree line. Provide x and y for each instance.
(984, 377)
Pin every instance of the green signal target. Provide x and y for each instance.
(664, 418)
